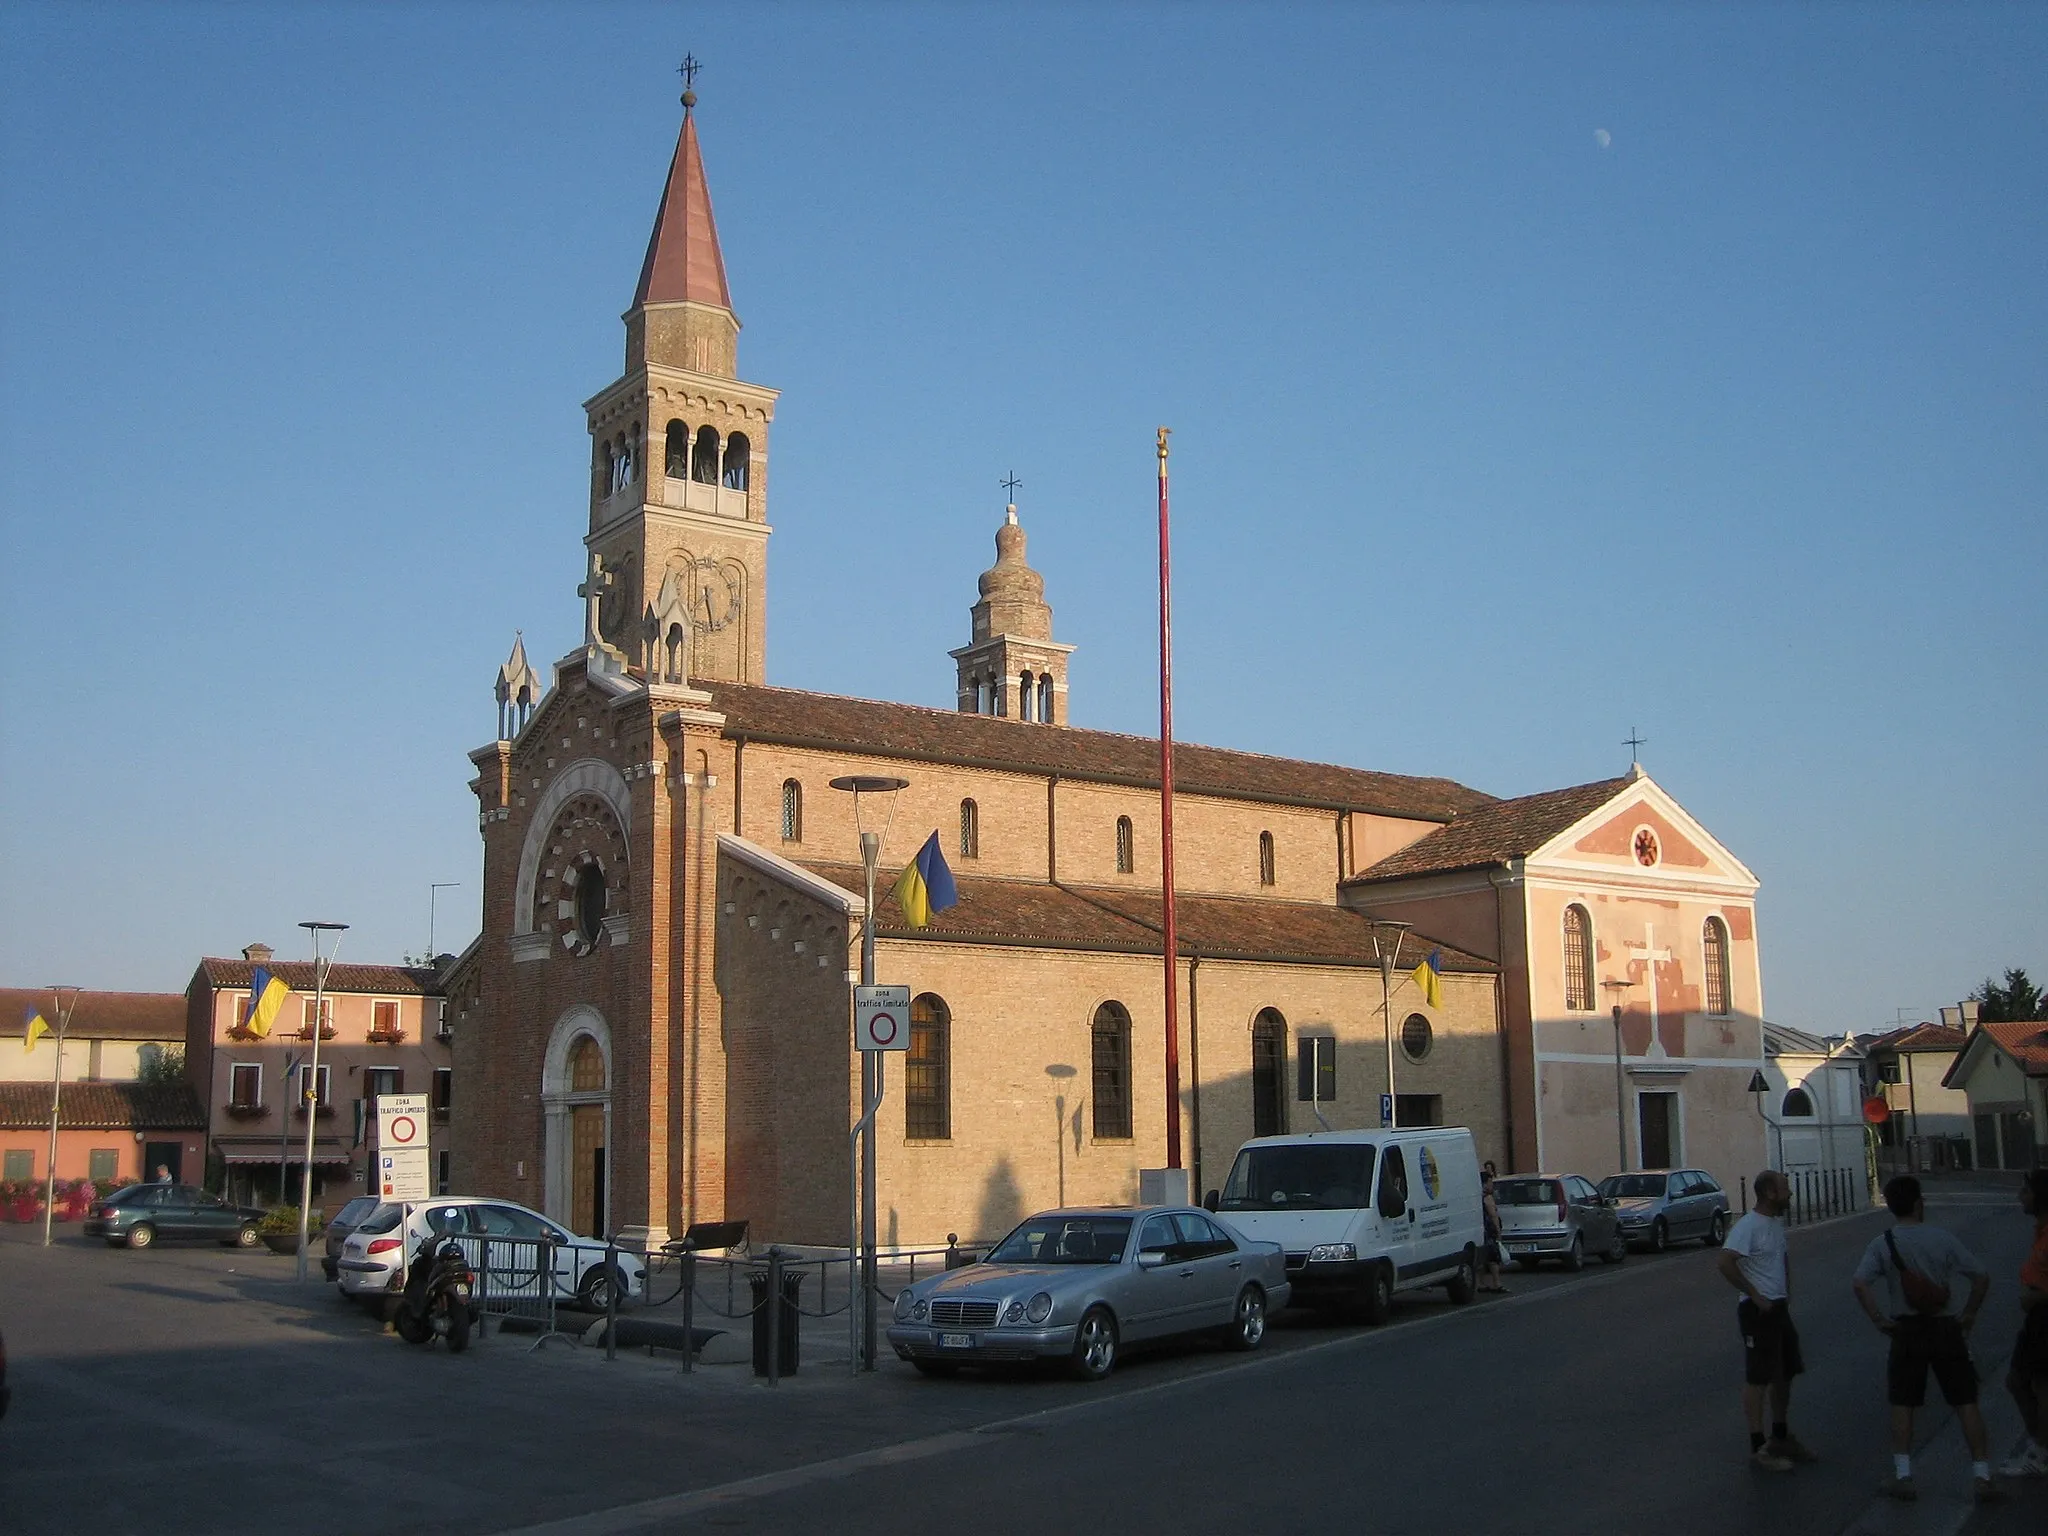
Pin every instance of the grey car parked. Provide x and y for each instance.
(1079, 1285)
(1659, 1209)
(1556, 1216)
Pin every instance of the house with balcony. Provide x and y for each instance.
(369, 1030)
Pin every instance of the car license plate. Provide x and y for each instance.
(956, 1341)
(1521, 1247)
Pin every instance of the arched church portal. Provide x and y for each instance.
(576, 1099)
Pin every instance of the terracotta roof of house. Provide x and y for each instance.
(298, 975)
(102, 1107)
(99, 1015)
(1496, 832)
(2026, 1043)
(792, 717)
(1918, 1037)
(1036, 914)
(683, 260)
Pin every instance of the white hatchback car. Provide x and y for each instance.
(502, 1240)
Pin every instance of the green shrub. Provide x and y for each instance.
(279, 1218)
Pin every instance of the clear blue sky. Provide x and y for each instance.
(1536, 372)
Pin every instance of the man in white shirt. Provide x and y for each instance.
(1756, 1261)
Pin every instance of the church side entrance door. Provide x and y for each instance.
(586, 1137)
(1656, 1117)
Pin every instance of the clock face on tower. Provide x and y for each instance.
(717, 602)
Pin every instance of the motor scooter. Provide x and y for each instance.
(438, 1300)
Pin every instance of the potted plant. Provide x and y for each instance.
(279, 1229)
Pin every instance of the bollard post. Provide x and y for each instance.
(1742, 1196)
(689, 1262)
(611, 1299)
(774, 1304)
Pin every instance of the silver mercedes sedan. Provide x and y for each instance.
(1081, 1285)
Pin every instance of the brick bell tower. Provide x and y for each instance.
(678, 540)
(1011, 665)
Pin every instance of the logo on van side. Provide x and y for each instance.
(1431, 1181)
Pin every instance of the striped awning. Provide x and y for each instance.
(325, 1153)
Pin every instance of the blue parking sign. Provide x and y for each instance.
(1386, 1109)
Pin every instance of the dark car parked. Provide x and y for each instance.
(142, 1213)
(346, 1220)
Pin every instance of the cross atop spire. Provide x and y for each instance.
(684, 264)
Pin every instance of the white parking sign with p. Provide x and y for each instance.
(881, 1018)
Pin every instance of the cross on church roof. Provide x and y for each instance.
(1633, 741)
(1010, 483)
(688, 70)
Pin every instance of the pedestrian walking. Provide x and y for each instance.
(163, 1173)
(1906, 1282)
(2027, 1379)
(1489, 1216)
(1756, 1260)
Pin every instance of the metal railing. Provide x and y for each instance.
(517, 1279)
(1820, 1194)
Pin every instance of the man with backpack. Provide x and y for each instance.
(1905, 1283)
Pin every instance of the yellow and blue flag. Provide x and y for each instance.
(38, 1026)
(926, 885)
(1430, 977)
(266, 1000)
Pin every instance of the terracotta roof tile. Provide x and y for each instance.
(102, 1107)
(1495, 833)
(298, 975)
(100, 1015)
(1034, 914)
(792, 717)
(1918, 1037)
(2026, 1043)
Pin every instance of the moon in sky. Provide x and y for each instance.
(1603, 138)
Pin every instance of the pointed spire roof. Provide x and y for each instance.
(683, 260)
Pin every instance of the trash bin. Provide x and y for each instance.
(785, 1362)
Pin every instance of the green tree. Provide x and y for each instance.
(162, 1069)
(2017, 1001)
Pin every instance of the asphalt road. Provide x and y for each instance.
(202, 1390)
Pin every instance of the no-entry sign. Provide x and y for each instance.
(881, 1018)
(402, 1169)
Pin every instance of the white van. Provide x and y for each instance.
(1362, 1214)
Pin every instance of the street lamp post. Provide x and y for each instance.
(1615, 988)
(308, 1098)
(861, 1308)
(1387, 955)
(64, 1011)
(434, 891)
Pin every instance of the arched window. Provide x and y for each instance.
(792, 811)
(601, 468)
(1026, 695)
(927, 1107)
(1578, 958)
(1269, 1073)
(970, 830)
(1416, 1036)
(590, 902)
(737, 450)
(633, 454)
(1798, 1103)
(1045, 698)
(1126, 855)
(675, 644)
(1266, 870)
(1110, 1055)
(704, 456)
(1714, 947)
(675, 458)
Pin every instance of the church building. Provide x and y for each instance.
(654, 1025)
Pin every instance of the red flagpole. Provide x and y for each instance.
(1166, 819)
